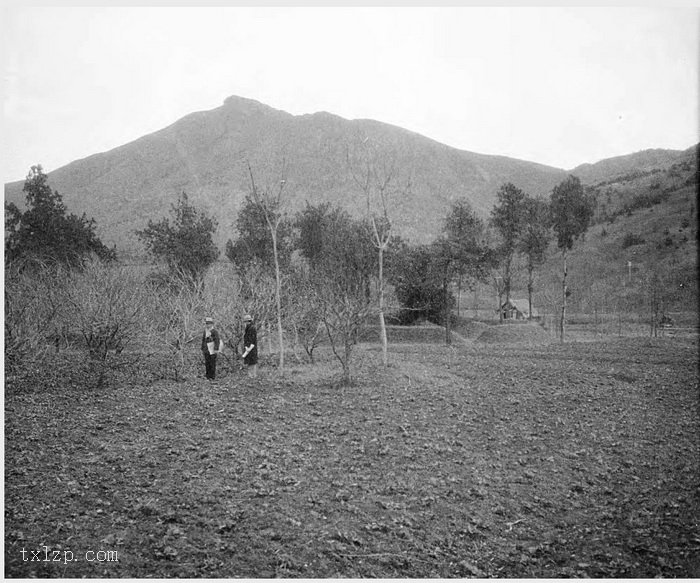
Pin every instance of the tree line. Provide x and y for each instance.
(319, 274)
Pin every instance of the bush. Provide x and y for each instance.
(631, 239)
(34, 312)
(107, 308)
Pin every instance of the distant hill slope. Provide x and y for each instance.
(639, 162)
(202, 153)
(646, 222)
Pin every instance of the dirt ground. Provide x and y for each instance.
(479, 460)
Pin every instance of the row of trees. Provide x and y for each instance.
(526, 226)
(321, 269)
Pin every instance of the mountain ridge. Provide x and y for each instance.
(202, 154)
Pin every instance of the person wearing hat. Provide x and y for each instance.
(211, 345)
(250, 346)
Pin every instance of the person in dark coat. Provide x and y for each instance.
(250, 346)
(211, 345)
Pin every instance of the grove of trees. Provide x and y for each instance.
(319, 276)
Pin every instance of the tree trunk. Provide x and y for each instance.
(295, 344)
(278, 299)
(448, 332)
(347, 347)
(500, 306)
(459, 295)
(506, 280)
(562, 322)
(382, 323)
(346, 364)
(530, 286)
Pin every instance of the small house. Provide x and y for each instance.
(518, 310)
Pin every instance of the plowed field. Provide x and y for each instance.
(480, 460)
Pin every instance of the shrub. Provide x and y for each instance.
(106, 309)
(34, 306)
(647, 199)
(631, 239)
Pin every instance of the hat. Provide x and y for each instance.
(247, 318)
(209, 320)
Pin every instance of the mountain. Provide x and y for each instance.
(203, 155)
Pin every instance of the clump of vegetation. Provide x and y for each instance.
(46, 232)
(632, 239)
(647, 199)
(186, 244)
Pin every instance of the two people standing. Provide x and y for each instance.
(212, 345)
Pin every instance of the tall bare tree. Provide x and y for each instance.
(376, 173)
(268, 195)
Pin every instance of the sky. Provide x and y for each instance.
(560, 86)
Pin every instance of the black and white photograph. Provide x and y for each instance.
(351, 291)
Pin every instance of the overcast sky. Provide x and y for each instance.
(559, 86)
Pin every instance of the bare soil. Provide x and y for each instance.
(476, 460)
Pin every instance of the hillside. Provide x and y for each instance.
(631, 164)
(203, 153)
(646, 222)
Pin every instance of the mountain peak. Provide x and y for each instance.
(238, 101)
(235, 103)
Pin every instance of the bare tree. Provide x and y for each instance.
(376, 174)
(106, 306)
(343, 310)
(339, 276)
(269, 196)
(302, 311)
(177, 321)
(258, 296)
(34, 310)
